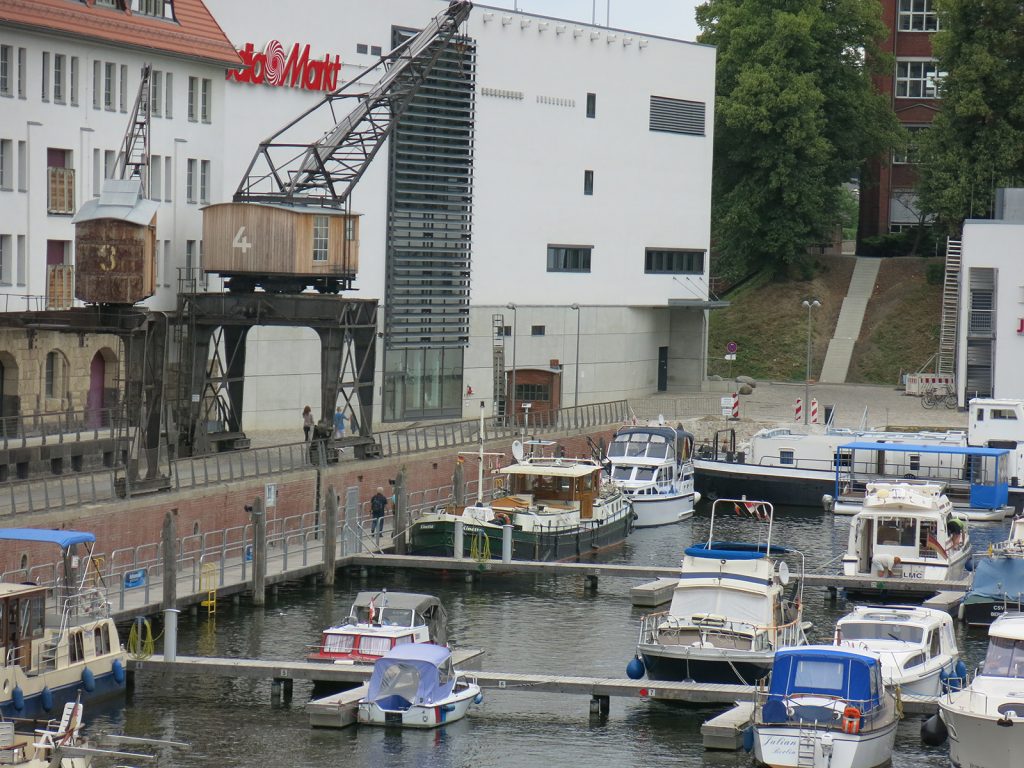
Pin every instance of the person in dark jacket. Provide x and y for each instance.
(378, 508)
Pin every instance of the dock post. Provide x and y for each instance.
(470, 577)
(170, 552)
(330, 542)
(832, 595)
(458, 540)
(401, 511)
(590, 581)
(599, 705)
(259, 553)
(171, 634)
(506, 543)
(458, 486)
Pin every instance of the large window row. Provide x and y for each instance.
(916, 79)
(422, 383)
(577, 258)
(569, 258)
(917, 16)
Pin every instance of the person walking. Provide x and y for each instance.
(307, 421)
(378, 508)
(339, 423)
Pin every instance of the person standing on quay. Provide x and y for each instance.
(378, 508)
(307, 421)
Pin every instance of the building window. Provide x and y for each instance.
(205, 103)
(910, 154)
(350, 228)
(6, 164)
(204, 181)
(168, 179)
(155, 173)
(422, 383)
(109, 75)
(169, 90)
(588, 182)
(21, 260)
(591, 105)
(320, 230)
(45, 80)
(167, 264)
(156, 93)
(22, 166)
(59, 73)
(162, 9)
(674, 262)
(537, 330)
(97, 75)
(190, 258)
(193, 96)
(61, 182)
(55, 374)
(6, 259)
(569, 258)
(6, 53)
(109, 163)
(190, 181)
(74, 81)
(916, 79)
(124, 87)
(529, 393)
(362, 48)
(22, 71)
(375, 50)
(917, 16)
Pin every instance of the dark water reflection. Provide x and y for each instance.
(525, 624)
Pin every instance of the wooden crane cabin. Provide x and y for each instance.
(283, 249)
(115, 245)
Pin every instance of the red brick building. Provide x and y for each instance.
(887, 196)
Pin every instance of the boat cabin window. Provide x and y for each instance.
(621, 473)
(1005, 658)
(785, 456)
(101, 639)
(936, 644)
(402, 640)
(645, 473)
(915, 462)
(374, 646)
(400, 680)
(339, 643)
(868, 630)
(1007, 414)
(897, 531)
(844, 458)
(76, 647)
(914, 661)
(819, 674)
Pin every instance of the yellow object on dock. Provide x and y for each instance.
(208, 584)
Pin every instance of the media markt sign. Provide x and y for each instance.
(294, 70)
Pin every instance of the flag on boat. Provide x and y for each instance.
(372, 611)
(933, 543)
(752, 508)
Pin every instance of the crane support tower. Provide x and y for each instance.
(290, 224)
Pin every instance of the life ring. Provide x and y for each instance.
(851, 720)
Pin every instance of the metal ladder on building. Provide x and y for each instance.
(806, 744)
(945, 364)
(133, 159)
(498, 363)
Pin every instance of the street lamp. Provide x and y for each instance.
(512, 306)
(576, 390)
(808, 305)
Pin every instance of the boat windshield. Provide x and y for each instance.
(1005, 658)
(400, 680)
(865, 630)
(622, 473)
(733, 605)
(395, 617)
(638, 444)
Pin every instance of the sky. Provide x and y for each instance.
(667, 18)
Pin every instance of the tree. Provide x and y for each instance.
(796, 114)
(977, 140)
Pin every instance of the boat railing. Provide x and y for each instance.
(665, 629)
(822, 710)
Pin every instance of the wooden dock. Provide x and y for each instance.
(726, 730)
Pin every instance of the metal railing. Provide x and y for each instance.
(22, 302)
(59, 427)
(240, 465)
(57, 492)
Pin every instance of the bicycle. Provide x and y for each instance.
(933, 396)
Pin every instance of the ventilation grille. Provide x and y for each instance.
(677, 116)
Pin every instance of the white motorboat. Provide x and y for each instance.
(730, 611)
(915, 645)
(380, 621)
(64, 647)
(651, 465)
(825, 707)
(1013, 544)
(416, 686)
(985, 720)
(906, 531)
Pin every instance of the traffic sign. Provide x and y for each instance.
(731, 347)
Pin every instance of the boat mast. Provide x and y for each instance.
(480, 460)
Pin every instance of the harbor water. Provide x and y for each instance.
(525, 624)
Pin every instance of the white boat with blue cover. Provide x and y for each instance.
(59, 643)
(730, 610)
(652, 465)
(416, 686)
(825, 707)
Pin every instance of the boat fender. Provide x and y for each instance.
(933, 732)
(88, 680)
(635, 669)
(851, 720)
(118, 669)
(969, 565)
(479, 698)
(18, 698)
(47, 699)
(961, 669)
(1005, 721)
(447, 707)
(748, 739)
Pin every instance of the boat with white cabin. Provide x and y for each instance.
(915, 645)
(985, 720)
(416, 686)
(906, 531)
(652, 465)
(735, 604)
(825, 707)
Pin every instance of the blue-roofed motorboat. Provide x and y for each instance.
(60, 644)
(825, 707)
(734, 606)
(416, 686)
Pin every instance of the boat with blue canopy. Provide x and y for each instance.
(416, 686)
(825, 707)
(735, 604)
(59, 643)
(997, 588)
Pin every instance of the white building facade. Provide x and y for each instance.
(589, 152)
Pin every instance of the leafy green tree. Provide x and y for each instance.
(977, 140)
(796, 114)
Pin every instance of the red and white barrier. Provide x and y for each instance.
(798, 409)
(814, 411)
(735, 405)
(919, 383)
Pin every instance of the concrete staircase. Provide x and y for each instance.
(840, 349)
